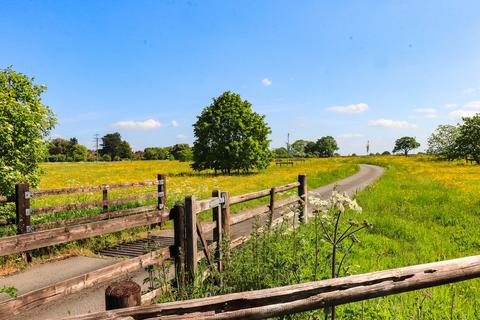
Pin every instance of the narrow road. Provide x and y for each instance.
(92, 299)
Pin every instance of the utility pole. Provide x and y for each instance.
(96, 138)
(368, 147)
(288, 144)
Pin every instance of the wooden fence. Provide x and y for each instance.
(187, 231)
(280, 301)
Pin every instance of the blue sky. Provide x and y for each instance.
(357, 70)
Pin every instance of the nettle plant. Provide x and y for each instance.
(333, 228)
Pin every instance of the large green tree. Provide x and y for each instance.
(443, 142)
(326, 146)
(298, 148)
(115, 147)
(230, 136)
(468, 140)
(24, 122)
(405, 145)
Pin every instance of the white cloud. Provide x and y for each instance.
(348, 136)
(469, 109)
(472, 105)
(451, 106)
(267, 82)
(459, 114)
(174, 123)
(427, 113)
(181, 137)
(387, 123)
(425, 110)
(129, 124)
(352, 108)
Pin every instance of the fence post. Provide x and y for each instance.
(272, 206)
(226, 215)
(178, 215)
(105, 199)
(123, 294)
(22, 205)
(217, 232)
(162, 192)
(190, 237)
(303, 194)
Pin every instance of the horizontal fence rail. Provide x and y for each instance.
(90, 205)
(280, 301)
(30, 237)
(51, 192)
(262, 193)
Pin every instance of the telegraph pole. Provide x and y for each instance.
(288, 144)
(368, 146)
(96, 138)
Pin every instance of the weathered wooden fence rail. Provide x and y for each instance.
(187, 231)
(280, 301)
(31, 237)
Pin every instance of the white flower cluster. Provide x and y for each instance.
(337, 201)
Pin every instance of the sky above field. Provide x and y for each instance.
(356, 70)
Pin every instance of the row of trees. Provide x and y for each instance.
(325, 147)
(454, 142)
(113, 148)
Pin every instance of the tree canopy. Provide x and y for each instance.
(24, 122)
(468, 140)
(405, 145)
(326, 146)
(443, 142)
(115, 147)
(230, 136)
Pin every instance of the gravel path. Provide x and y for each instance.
(92, 300)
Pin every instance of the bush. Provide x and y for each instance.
(106, 157)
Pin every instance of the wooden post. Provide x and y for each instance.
(217, 232)
(272, 206)
(22, 205)
(226, 215)
(162, 191)
(178, 215)
(123, 294)
(303, 194)
(105, 199)
(190, 237)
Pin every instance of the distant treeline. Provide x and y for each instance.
(112, 148)
(325, 147)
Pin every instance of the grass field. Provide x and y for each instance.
(422, 211)
(181, 181)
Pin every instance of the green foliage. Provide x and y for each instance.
(10, 291)
(24, 122)
(154, 153)
(230, 137)
(298, 148)
(443, 142)
(106, 157)
(281, 152)
(325, 147)
(60, 149)
(185, 155)
(125, 150)
(468, 140)
(405, 145)
(181, 151)
(111, 145)
(115, 147)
